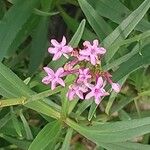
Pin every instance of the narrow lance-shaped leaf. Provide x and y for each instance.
(47, 135)
(73, 24)
(133, 63)
(66, 143)
(99, 25)
(124, 146)
(115, 131)
(124, 29)
(12, 23)
(39, 40)
(117, 12)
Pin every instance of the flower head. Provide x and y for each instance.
(59, 49)
(53, 78)
(97, 91)
(84, 75)
(76, 90)
(92, 52)
(82, 86)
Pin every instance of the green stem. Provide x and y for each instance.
(145, 93)
(13, 101)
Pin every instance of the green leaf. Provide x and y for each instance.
(23, 34)
(72, 24)
(78, 34)
(15, 122)
(137, 38)
(47, 135)
(114, 95)
(117, 12)
(39, 41)
(119, 131)
(67, 140)
(12, 86)
(132, 64)
(43, 13)
(124, 29)
(92, 111)
(29, 135)
(23, 144)
(121, 104)
(123, 115)
(83, 106)
(2, 9)
(125, 146)
(99, 25)
(12, 23)
(4, 120)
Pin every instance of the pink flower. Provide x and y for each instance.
(84, 75)
(76, 89)
(97, 91)
(116, 87)
(92, 52)
(59, 49)
(53, 78)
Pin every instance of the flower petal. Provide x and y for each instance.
(87, 44)
(85, 52)
(49, 71)
(95, 43)
(67, 49)
(55, 43)
(59, 71)
(97, 100)
(99, 82)
(57, 55)
(63, 42)
(80, 94)
(70, 94)
(52, 50)
(46, 80)
(53, 85)
(93, 59)
(89, 95)
(102, 50)
(61, 82)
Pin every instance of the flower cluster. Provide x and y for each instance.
(85, 64)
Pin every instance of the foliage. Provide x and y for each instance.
(32, 116)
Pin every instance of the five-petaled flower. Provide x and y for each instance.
(84, 75)
(53, 78)
(97, 91)
(59, 49)
(76, 90)
(92, 52)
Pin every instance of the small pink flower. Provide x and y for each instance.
(53, 78)
(84, 75)
(116, 87)
(97, 91)
(59, 49)
(92, 52)
(76, 90)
